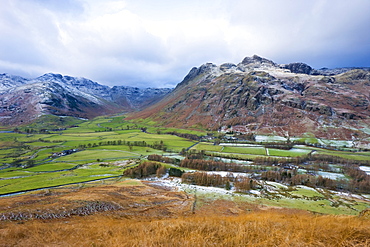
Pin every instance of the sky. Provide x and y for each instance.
(146, 43)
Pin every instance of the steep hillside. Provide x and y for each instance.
(23, 100)
(27, 102)
(261, 96)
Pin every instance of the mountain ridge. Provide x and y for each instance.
(266, 97)
(23, 100)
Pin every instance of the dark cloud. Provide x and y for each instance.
(155, 43)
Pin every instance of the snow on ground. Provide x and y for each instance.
(305, 187)
(260, 138)
(365, 169)
(245, 162)
(255, 192)
(277, 185)
(298, 150)
(174, 156)
(235, 174)
(331, 175)
(336, 143)
(176, 182)
(350, 195)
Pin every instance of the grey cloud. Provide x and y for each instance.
(146, 43)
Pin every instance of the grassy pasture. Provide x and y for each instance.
(4, 152)
(346, 155)
(45, 153)
(245, 150)
(48, 167)
(43, 144)
(98, 154)
(40, 180)
(154, 127)
(29, 137)
(287, 153)
(207, 147)
(308, 140)
(135, 149)
(233, 155)
(13, 172)
(307, 192)
(74, 140)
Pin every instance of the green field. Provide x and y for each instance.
(40, 180)
(50, 167)
(288, 153)
(35, 158)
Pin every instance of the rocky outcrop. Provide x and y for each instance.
(257, 60)
(298, 68)
(205, 69)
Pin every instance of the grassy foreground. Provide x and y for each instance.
(263, 228)
(138, 213)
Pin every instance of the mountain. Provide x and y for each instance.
(8, 81)
(260, 96)
(23, 100)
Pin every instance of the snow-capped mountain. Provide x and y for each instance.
(22, 100)
(260, 96)
(9, 81)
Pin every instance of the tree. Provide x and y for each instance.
(228, 185)
(161, 171)
(175, 172)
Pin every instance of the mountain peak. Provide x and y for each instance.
(255, 59)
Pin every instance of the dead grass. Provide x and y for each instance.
(154, 216)
(264, 228)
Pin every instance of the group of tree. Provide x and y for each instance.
(211, 165)
(269, 161)
(337, 160)
(160, 158)
(175, 172)
(193, 153)
(359, 182)
(292, 178)
(185, 135)
(241, 183)
(155, 145)
(204, 179)
(146, 169)
(280, 145)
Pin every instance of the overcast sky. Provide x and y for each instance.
(148, 43)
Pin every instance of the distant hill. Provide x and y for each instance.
(23, 100)
(260, 96)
